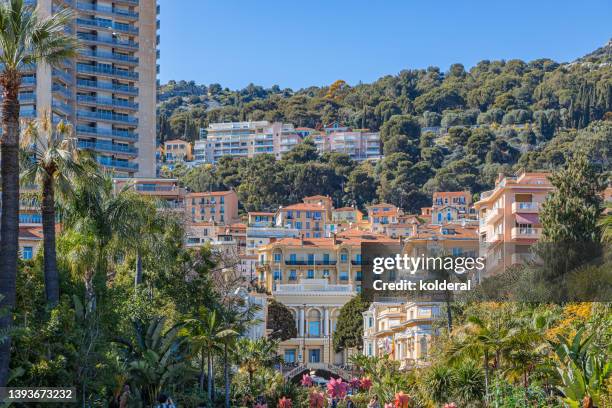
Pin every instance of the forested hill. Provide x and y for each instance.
(569, 95)
(499, 117)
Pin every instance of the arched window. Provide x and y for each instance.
(314, 323)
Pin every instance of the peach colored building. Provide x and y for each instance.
(451, 206)
(347, 215)
(219, 207)
(178, 150)
(30, 241)
(308, 219)
(508, 218)
(381, 215)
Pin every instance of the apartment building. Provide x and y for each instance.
(220, 207)
(314, 278)
(508, 218)
(381, 215)
(166, 191)
(247, 139)
(308, 218)
(346, 215)
(108, 91)
(401, 331)
(178, 150)
(262, 229)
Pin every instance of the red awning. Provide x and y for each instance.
(527, 219)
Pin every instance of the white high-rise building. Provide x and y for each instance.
(109, 91)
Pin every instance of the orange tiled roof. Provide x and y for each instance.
(346, 209)
(316, 197)
(303, 207)
(260, 213)
(451, 194)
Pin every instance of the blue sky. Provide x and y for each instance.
(298, 43)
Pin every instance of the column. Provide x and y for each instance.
(326, 321)
(301, 328)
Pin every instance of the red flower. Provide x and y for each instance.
(306, 380)
(336, 388)
(450, 405)
(355, 383)
(366, 383)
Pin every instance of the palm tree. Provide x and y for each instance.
(52, 161)
(207, 334)
(25, 39)
(255, 354)
(106, 218)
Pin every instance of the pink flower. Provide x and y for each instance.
(388, 405)
(261, 405)
(450, 405)
(401, 400)
(306, 380)
(284, 403)
(316, 400)
(336, 388)
(366, 383)
(355, 383)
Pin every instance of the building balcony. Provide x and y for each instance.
(102, 70)
(526, 233)
(496, 238)
(103, 23)
(310, 263)
(493, 215)
(117, 88)
(112, 41)
(531, 207)
(62, 90)
(109, 56)
(61, 107)
(101, 146)
(118, 164)
(62, 75)
(315, 285)
(107, 10)
(114, 133)
(110, 102)
(106, 116)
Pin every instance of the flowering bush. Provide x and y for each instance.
(285, 403)
(450, 405)
(316, 399)
(306, 380)
(336, 388)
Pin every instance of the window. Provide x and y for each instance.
(326, 259)
(344, 276)
(358, 276)
(358, 259)
(293, 258)
(292, 275)
(298, 224)
(343, 257)
(311, 274)
(314, 329)
(370, 321)
(326, 273)
(370, 349)
(314, 356)
(457, 251)
(278, 275)
(310, 259)
(290, 356)
(277, 257)
(27, 252)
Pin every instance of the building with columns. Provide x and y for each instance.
(402, 331)
(314, 278)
